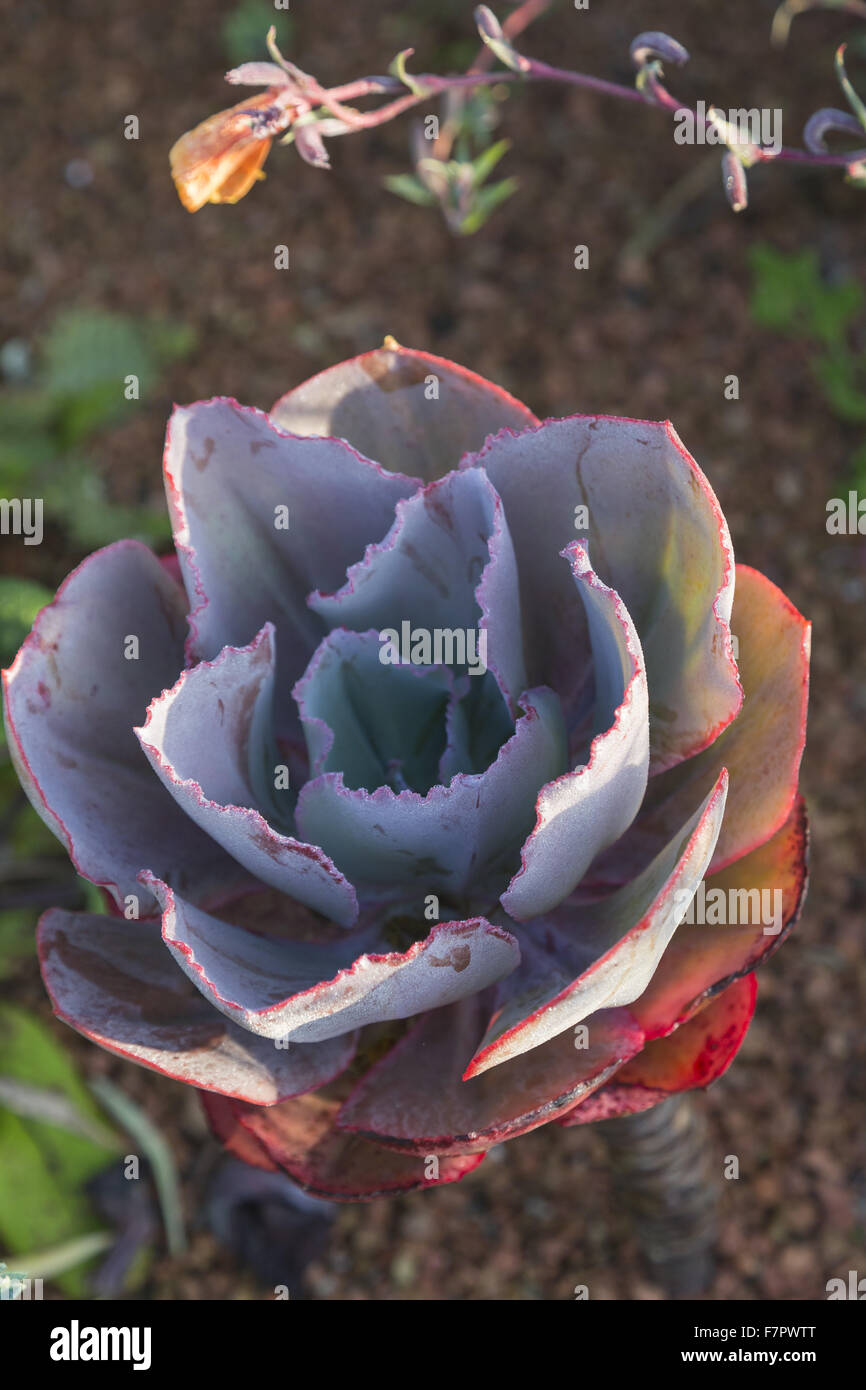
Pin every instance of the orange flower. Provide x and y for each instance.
(221, 159)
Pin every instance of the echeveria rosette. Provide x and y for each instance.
(560, 807)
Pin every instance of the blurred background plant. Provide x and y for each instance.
(85, 1172)
(454, 165)
(55, 403)
(791, 295)
(453, 153)
(91, 368)
(243, 26)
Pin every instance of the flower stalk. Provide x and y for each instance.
(215, 161)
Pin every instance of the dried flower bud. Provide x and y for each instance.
(654, 44)
(221, 159)
(734, 181)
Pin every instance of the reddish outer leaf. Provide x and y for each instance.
(762, 749)
(223, 1120)
(379, 403)
(301, 1138)
(703, 960)
(415, 1101)
(695, 1054)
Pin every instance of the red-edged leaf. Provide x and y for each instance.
(223, 1120)
(588, 808)
(307, 991)
(116, 983)
(411, 411)
(209, 740)
(110, 641)
(657, 536)
(300, 1137)
(415, 1100)
(761, 749)
(703, 959)
(255, 531)
(697, 1053)
(589, 956)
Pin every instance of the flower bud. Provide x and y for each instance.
(654, 44)
(310, 145)
(493, 35)
(825, 120)
(258, 75)
(734, 180)
(488, 25)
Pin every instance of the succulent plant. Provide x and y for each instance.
(404, 786)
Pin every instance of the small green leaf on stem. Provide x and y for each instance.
(398, 69)
(854, 100)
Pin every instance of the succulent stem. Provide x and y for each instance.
(660, 1166)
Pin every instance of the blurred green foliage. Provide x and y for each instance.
(46, 421)
(20, 601)
(244, 28)
(789, 294)
(24, 836)
(45, 1166)
(79, 389)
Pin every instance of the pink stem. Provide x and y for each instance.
(434, 85)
